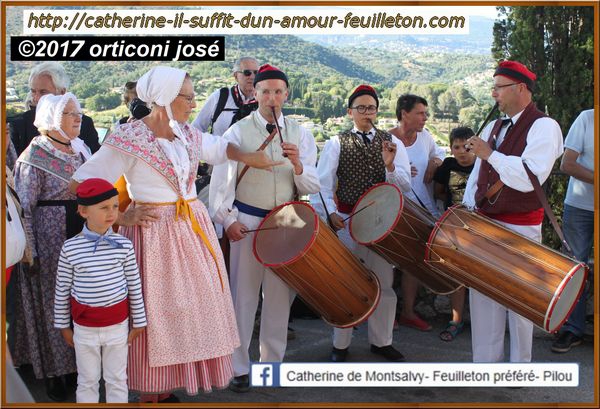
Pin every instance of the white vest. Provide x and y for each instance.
(260, 188)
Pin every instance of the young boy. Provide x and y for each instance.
(98, 283)
(450, 181)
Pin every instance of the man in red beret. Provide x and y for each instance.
(500, 188)
(350, 164)
(241, 203)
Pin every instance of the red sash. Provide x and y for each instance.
(99, 316)
(532, 218)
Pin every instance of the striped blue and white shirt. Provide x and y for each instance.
(98, 279)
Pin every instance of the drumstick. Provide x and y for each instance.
(261, 229)
(359, 210)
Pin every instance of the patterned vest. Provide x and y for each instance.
(260, 188)
(508, 200)
(359, 167)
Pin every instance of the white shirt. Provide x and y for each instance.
(328, 165)
(420, 153)
(223, 121)
(224, 177)
(581, 140)
(144, 183)
(544, 146)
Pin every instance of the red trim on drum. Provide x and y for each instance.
(366, 316)
(306, 248)
(367, 243)
(557, 294)
(436, 228)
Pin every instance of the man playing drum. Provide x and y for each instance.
(349, 165)
(240, 204)
(500, 188)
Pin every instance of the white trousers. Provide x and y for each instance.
(247, 276)
(381, 321)
(101, 351)
(488, 320)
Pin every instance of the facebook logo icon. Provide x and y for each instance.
(264, 374)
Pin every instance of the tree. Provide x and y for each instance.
(556, 42)
(473, 116)
(103, 102)
(448, 106)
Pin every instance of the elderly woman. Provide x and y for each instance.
(191, 330)
(42, 176)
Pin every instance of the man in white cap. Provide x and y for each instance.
(243, 208)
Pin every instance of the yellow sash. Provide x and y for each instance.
(183, 210)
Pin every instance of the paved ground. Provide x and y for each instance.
(313, 344)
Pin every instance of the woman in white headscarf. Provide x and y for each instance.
(191, 330)
(42, 176)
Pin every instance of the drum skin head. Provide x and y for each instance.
(538, 282)
(376, 221)
(309, 257)
(565, 298)
(296, 229)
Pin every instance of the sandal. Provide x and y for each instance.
(452, 330)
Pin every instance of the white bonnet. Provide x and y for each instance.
(160, 86)
(49, 110)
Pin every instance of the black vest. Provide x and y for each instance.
(360, 166)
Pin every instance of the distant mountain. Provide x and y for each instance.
(305, 57)
(379, 60)
(478, 41)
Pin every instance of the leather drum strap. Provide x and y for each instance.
(260, 148)
(544, 201)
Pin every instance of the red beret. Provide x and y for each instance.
(269, 72)
(363, 90)
(95, 190)
(517, 72)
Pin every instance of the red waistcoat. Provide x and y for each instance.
(508, 200)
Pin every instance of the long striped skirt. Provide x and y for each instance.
(191, 330)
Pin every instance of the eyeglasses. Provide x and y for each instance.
(74, 114)
(248, 73)
(188, 98)
(365, 109)
(497, 87)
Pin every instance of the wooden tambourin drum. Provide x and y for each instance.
(397, 229)
(308, 256)
(529, 278)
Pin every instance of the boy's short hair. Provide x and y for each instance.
(461, 133)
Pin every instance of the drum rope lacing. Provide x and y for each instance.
(464, 226)
(484, 261)
(415, 237)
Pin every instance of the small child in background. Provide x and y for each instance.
(98, 284)
(450, 181)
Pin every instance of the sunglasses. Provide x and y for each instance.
(248, 73)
